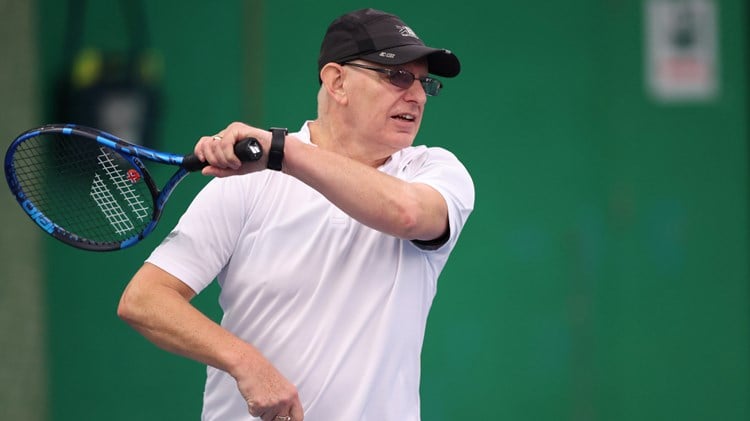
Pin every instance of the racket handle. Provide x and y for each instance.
(246, 150)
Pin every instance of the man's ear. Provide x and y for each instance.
(332, 76)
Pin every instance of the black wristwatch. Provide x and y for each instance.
(276, 153)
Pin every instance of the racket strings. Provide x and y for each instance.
(86, 188)
(108, 204)
(110, 207)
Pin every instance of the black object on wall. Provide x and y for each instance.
(115, 91)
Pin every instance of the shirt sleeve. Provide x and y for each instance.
(201, 243)
(441, 170)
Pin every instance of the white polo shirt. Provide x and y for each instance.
(339, 308)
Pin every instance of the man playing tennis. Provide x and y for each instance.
(327, 250)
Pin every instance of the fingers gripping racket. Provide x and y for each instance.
(90, 189)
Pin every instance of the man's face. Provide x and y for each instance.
(381, 112)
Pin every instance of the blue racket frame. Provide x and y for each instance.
(131, 152)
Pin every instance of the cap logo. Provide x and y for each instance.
(387, 55)
(405, 31)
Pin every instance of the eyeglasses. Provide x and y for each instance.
(403, 78)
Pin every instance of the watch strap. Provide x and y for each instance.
(276, 153)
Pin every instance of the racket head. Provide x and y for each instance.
(80, 190)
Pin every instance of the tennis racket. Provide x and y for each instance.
(90, 189)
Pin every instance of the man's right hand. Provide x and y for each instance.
(268, 394)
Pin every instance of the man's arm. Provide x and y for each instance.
(412, 211)
(157, 305)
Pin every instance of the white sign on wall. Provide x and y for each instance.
(681, 47)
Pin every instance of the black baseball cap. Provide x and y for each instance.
(382, 38)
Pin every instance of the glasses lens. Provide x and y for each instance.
(401, 78)
(431, 86)
(404, 79)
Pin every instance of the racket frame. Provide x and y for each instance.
(130, 152)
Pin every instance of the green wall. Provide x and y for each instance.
(603, 275)
(99, 367)
(22, 312)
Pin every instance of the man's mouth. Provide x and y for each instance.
(405, 117)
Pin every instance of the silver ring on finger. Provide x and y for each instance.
(216, 137)
(283, 418)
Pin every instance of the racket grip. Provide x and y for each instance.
(246, 150)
